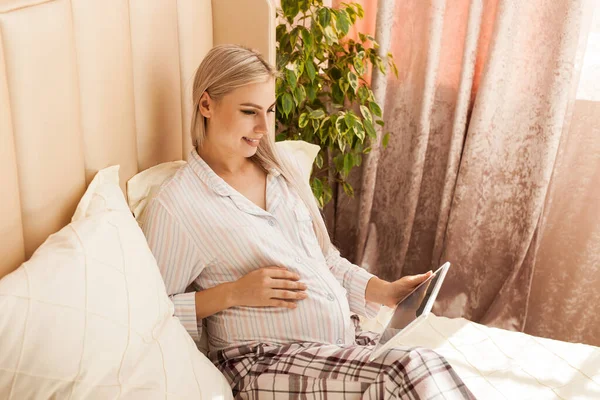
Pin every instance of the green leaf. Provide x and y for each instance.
(280, 31)
(359, 10)
(338, 161)
(287, 102)
(344, 85)
(343, 22)
(348, 163)
(302, 120)
(317, 114)
(327, 194)
(353, 80)
(284, 44)
(319, 161)
(311, 92)
(380, 122)
(317, 187)
(294, 37)
(366, 114)
(348, 189)
(291, 78)
(340, 124)
(335, 73)
(307, 38)
(341, 143)
(300, 94)
(375, 109)
(358, 160)
(360, 132)
(324, 16)
(290, 9)
(337, 94)
(299, 67)
(350, 120)
(394, 68)
(386, 140)
(363, 94)
(330, 36)
(315, 125)
(367, 150)
(369, 129)
(310, 70)
(358, 66)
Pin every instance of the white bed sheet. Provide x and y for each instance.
(501, 364)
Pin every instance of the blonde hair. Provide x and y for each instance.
(224, 69)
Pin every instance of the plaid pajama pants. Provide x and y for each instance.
(317, 371)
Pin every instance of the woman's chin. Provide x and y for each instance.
(249, 152)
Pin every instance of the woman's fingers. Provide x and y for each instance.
(285, 284)
(288, 295)
(281, 303)
(281, 273)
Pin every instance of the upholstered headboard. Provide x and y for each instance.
(85, 84)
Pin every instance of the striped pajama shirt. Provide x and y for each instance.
(203, 233)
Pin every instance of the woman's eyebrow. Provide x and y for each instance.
(255, 105)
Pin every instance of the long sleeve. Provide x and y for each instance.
(354, 279)
(178, 260)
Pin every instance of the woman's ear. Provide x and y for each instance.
(205, 106)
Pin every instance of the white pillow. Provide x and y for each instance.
(88, 316)
(303, 151)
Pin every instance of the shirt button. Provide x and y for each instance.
(298, 259)
(271, 222)
(330, 297)
(339, 341)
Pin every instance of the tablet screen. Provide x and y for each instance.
(411, 307)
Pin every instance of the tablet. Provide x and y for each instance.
(411, 311)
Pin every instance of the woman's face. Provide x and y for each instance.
(240, 120)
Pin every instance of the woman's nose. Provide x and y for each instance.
(261, 125)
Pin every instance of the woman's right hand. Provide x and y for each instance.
(269, 287)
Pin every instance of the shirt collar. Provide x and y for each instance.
(207, 175)
(210, 178)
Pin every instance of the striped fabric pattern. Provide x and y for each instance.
(204, 233)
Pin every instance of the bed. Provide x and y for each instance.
(85, 87)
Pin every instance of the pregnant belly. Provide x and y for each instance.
(320, 318)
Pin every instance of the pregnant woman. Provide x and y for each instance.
(240, 242)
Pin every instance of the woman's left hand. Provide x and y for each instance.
(390, 293)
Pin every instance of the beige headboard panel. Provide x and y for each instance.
(85, 84)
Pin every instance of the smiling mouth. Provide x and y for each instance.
(251, 141)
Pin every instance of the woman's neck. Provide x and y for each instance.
(223, 164)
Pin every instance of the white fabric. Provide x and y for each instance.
(142, 187)
(303, 151)
(500, 364)
(88, 316)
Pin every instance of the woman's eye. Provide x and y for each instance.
(248, 112)
(271, 110)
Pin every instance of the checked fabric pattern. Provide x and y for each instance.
(319, 372)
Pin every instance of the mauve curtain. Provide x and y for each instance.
(493, 164)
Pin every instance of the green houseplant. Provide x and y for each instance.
(322, 94)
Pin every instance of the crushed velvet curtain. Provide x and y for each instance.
(493, 164)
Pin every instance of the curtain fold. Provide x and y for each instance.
(486, 142)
